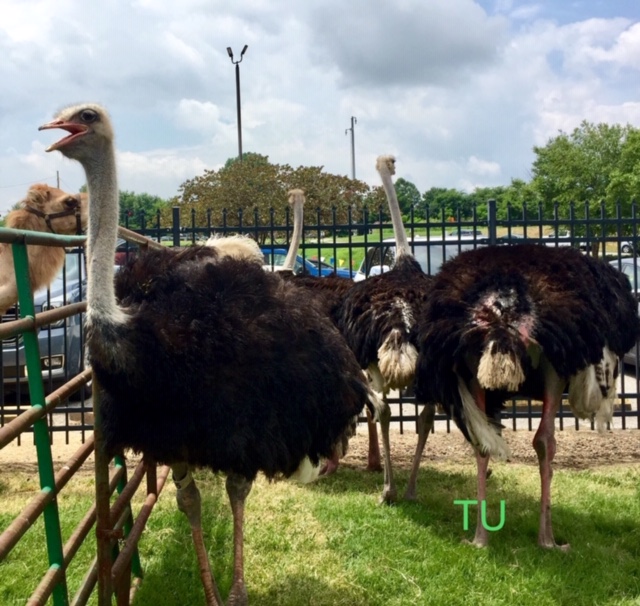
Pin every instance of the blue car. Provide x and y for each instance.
(274, 258)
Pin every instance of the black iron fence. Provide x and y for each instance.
(361, 242)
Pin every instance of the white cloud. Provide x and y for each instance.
(459, 90)
(480, 167)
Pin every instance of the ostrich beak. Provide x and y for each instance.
(76, 130)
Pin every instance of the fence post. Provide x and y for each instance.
(492, 219)
(175, 228)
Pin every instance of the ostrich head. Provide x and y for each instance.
(296, 196)
(89, 128)
(386, 164)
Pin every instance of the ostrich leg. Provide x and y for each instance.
(481, 538)
(544, 443)
(425, 424)
(389, 492)
(188, 498)
(373, 459)
(238, 488)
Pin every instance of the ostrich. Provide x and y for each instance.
(523, 320)
(209, 361)
(377, 317)
(45, 208)
(330, 291)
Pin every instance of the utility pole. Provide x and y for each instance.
(58, 179)
(353, 146)
(237, 64)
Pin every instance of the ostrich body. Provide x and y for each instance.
(207, 360)
(330, 291)
(46, 209)
(524, 320)
(377, 317)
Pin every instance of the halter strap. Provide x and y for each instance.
(48, 217)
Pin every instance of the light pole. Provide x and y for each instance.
(353, 146)
(237, 64)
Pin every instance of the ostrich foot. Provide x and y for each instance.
(551, 544)
(410, 494)
(389, 496)
(476, 543)
(238, 594)
(481, 538)
(330, 465)
(374, 465)
(329, 468)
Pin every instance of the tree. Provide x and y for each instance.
(579, 167)
(439, 202)
(255, 190)
(624, 186)
(408, 195)
(510, 199)
(137, 206)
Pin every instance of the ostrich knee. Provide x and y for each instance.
(373, 458)
(187, 494)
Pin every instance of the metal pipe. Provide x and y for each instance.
(36, 506)
(121, 563)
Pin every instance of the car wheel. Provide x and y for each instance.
(626, 249)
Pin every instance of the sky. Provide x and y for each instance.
(460, 91)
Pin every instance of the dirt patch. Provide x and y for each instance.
(576, 449)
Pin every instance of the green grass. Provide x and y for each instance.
(330, 544)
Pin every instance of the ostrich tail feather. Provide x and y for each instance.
(375, 403)
(484, 437)
(237, 247)
(500, 370)
(593, 389)
(397, 360)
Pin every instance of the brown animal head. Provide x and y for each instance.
(58, 208)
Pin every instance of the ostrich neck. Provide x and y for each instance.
(296, 238)
(103, 228)
(402, 244)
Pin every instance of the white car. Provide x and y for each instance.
(430, 253)
(630, 267)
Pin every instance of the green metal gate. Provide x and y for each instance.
(116, 568)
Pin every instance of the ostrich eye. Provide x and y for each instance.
(88, 115)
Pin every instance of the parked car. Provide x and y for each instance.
(628, 247)
(465, 233)
(124, 250)
(564, 238)
(275, 257)
(431, 254)
(630, 267)
(61, 343)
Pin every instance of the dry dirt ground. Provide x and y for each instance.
(576, 449)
